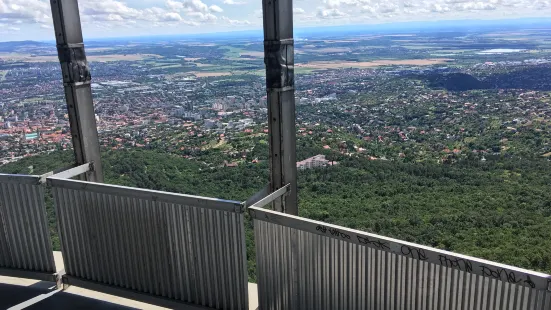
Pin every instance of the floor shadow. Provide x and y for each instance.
(45, 285)
(66, 301)
(11, 295)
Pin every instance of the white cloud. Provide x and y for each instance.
(27, 11)
(108, 8)
(257, 13)
(204, 17)
(236, 22)
(439, 8)
(334, 4)
(189, 12)
(472, 5)
(5, 29)
(118, 12)
(330, 13)
(369, 9)
(541, 4)
(215, 8)
(387, 7)
(145, 15)
(172, 16)
(199, 6)
(233, 2)
(356, 11)
(175, 5)
(195, 5)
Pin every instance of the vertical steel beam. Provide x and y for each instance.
(77, 84)
(280, 85)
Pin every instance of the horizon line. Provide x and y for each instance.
(373, 26)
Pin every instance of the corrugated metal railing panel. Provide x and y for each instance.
(138, 240)
(303, 264)
(25, 242)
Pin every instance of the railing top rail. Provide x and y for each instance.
(73, 172)
(198, 201)
(460, 262)
(20, 179)
(272, 197)
(41, 179)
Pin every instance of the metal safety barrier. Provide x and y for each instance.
(305, 264)
(152, 246)
(25, 243)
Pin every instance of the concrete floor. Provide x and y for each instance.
(14, 291)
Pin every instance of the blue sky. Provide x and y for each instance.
(31, 19)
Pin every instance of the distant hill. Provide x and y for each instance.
(12, 46)
(23, 43)
(531, 78)
(455, 81)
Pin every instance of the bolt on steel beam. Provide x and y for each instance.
(280, 85)
(77, 84)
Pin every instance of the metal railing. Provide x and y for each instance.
(178, 250)
(25, 243)
(152, 246)
(305, 264)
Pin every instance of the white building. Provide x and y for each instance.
(317, 161)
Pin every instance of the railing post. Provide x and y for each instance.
(77, 84)
(280, 85)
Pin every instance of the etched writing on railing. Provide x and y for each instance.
(504, 275)
(530, 282)
(457, 263)
(414, 252)
(332, 231)
(378, 244)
